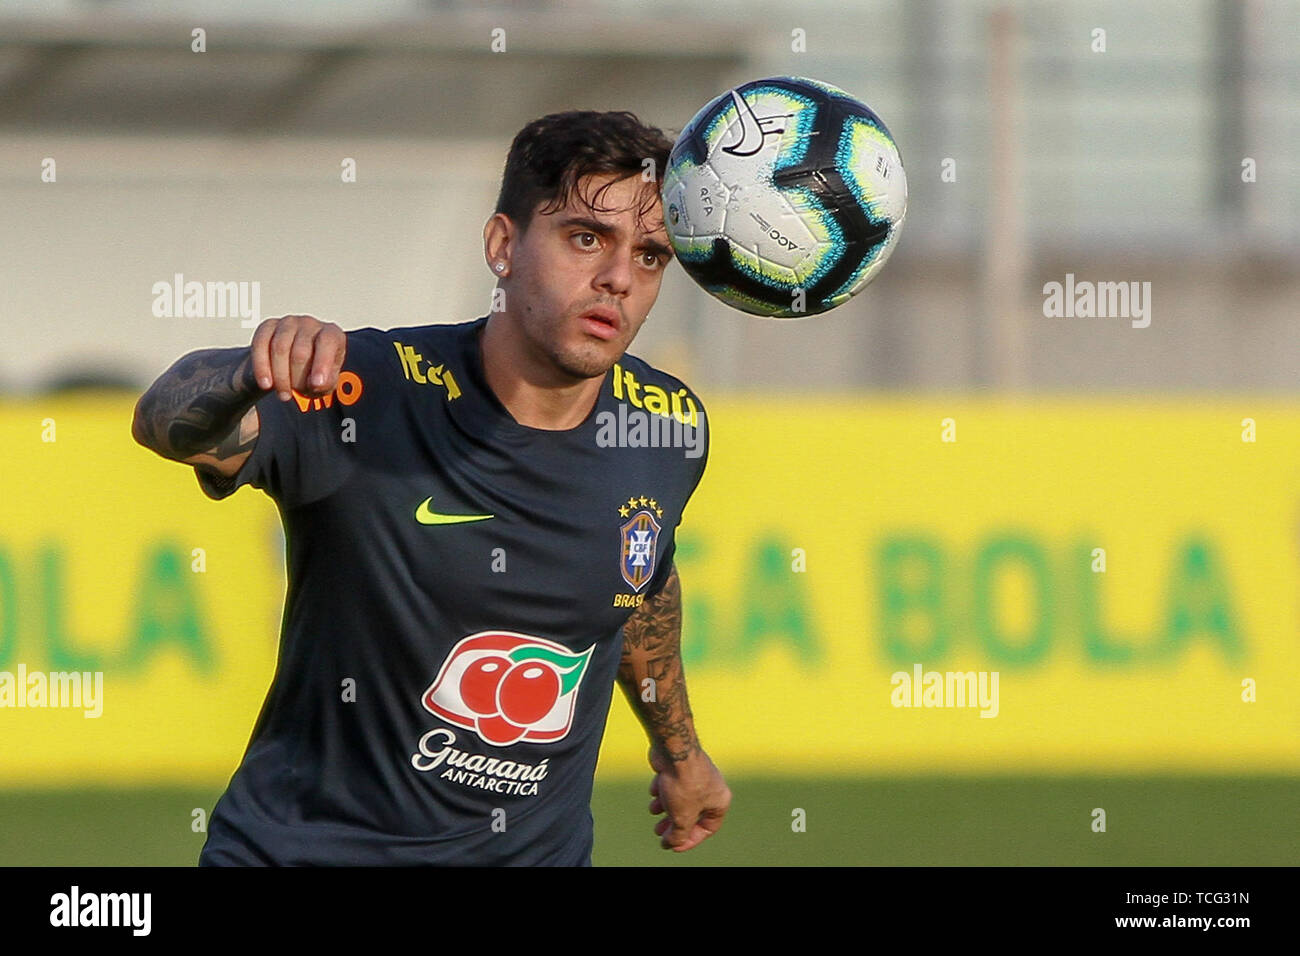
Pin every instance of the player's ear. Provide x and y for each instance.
(498, 236)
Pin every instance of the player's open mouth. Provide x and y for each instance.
(603, 323)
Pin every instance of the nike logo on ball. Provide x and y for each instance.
(424, 515)
(753, 130)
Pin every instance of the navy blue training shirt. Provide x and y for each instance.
(457, 586)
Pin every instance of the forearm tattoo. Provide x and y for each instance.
(652, 648)
(197, 405)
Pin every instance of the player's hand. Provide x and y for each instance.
(693, 795)
(298, 352)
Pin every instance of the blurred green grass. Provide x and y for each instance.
(1155, 821)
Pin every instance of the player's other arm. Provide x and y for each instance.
(201, 411)
(687, 786)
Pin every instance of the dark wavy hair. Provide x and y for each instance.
(550, 155)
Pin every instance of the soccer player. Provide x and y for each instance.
(479, 539)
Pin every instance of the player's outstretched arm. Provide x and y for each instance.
(687, 786)
(202, 410)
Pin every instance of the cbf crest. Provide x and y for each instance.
(640, 540)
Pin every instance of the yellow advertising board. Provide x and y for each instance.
(870, 585)
(113, 560)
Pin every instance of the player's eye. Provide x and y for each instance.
(579, 235)
(654, 259)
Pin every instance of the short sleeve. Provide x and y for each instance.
(663, 568)
(664, 562)
(702, 442)
(306, 449)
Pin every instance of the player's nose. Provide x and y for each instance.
(614, 275)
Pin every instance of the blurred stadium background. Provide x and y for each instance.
(1169, 158)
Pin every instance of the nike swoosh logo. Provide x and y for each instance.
(426, 516)
(753, 131)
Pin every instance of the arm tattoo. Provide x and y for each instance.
(198, 404)
(652, 648)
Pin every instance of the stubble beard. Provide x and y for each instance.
(584, 360)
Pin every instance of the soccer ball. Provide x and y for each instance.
(784, 197)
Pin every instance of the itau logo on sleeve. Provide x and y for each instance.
(507, 687)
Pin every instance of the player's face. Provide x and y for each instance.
(574, 260)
